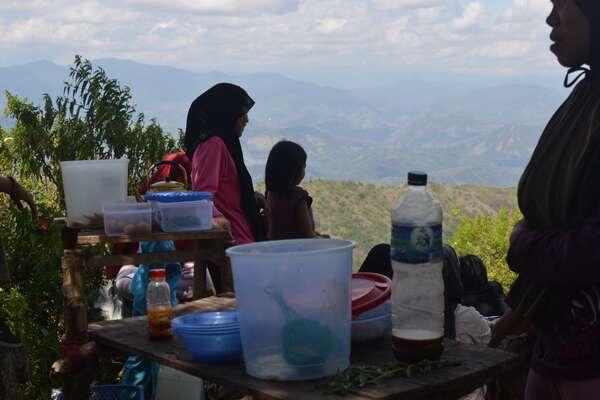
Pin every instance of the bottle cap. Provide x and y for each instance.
(157, 273)
(417, 178)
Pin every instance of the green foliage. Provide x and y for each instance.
(361, 211)
(94, 119)
(487, 237)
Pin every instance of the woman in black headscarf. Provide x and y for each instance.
(215, 123)
(555, 249)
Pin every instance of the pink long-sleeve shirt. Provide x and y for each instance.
(214, 170)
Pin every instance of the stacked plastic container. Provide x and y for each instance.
(210, 337)
(127, 218)
(181, 211)
(371, 306)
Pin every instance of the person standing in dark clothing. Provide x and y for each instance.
(555, 248)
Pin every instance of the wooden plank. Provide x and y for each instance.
(96, 236)
(147, 258)
(479, 364)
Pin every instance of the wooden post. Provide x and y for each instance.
(76, 367)
(74, 298)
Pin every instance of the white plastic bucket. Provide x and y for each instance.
(90, 184)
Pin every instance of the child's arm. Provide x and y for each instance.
(304, 221)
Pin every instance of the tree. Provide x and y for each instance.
(93, 119)
(487, 237)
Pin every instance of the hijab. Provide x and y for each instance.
(214, 113)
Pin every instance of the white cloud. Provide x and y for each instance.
(330, 25)
(283, 35)
(471, 15)
(219, 6)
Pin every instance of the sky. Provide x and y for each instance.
(338, 42)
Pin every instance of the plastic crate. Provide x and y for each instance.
(114, 392)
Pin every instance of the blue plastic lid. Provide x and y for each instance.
(176, 197)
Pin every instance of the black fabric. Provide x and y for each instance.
(378, 261)
(489, 301)
(487, 297)
(591, 9)
(214, 113)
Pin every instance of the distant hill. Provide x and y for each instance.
(459, 131)
(361, 211)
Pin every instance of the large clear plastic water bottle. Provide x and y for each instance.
(158, 302)
(418, 286)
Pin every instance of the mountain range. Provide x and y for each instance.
(459, 131)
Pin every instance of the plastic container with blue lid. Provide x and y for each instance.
(177, 197)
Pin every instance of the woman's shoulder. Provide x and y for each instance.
(214, 142)
(214, 145)
(296, 195)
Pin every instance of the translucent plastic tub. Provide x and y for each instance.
(294, 304)
(90, 184)
(127, 218)
(184, 216)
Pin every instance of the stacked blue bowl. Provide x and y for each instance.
(210, 337)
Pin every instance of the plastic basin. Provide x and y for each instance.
(294, 305)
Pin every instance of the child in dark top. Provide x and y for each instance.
(487, 297)
(290, 213)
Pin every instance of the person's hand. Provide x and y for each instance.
(261, 201)
(510, 323)
(19, 196)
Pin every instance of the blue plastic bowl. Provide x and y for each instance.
(175, 197)
(210, 337)
(208, 320)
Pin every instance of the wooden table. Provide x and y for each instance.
(81, 252)
(479, 365)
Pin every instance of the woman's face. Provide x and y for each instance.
(240, 124)
(570, 33)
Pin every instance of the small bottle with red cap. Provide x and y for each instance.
(158, 301)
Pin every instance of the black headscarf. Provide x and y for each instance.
(591, 9)
(214, 113)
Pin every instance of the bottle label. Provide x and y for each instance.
(414, 244)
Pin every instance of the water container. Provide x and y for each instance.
(90, 184)
(418, 286)
(294, 304)
(158, 303)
